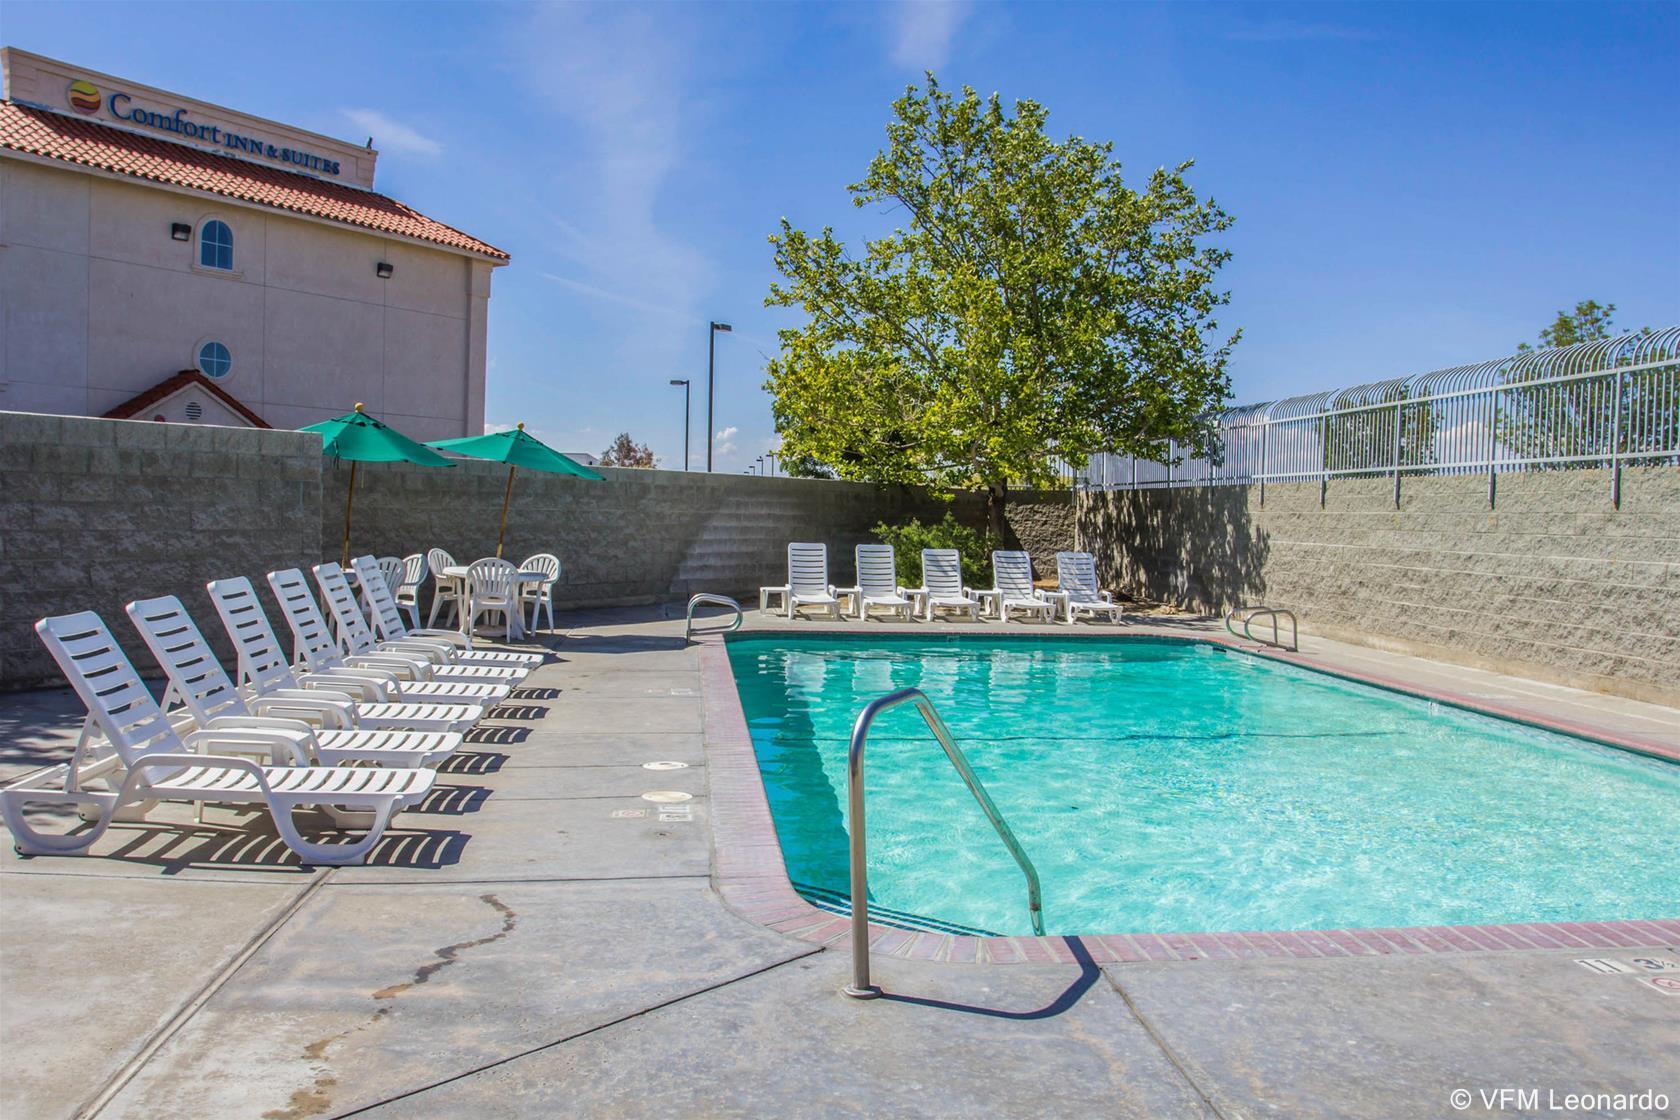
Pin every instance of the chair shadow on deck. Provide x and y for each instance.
(528, 713)
(453, 801)
(482, 736)
(246, 840)
(474, 762)
(1089, 973)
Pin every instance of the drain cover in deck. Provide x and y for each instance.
(667, 796)
(664, 766)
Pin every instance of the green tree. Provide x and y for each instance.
(1576, 417)
(1032, 304)
(626, 452)
(804, 466)
(1589, 322)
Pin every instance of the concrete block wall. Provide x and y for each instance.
(96, 513)
(649, 536)
(1043, 521)
(1551, 581)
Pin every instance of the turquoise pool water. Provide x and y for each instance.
(1167, 786)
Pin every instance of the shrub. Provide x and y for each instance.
(909, 539)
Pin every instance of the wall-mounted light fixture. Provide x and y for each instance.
(180, 231)
(384, 269)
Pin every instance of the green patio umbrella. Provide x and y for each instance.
(517, 449)
(360, 438)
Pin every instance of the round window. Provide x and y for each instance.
(214, 360)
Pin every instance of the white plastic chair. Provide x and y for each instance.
(877, 585)
(407, 591)
(942, 586)
(356, 638)
(808, 584)
(264, 670)
(447, 592)
(314, 646)
(1076, 576)
(143, 759)
(490, 591)
(452, 645)
(323, 728)
(1012, 587)
(540, 595)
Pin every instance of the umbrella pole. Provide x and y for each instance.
(349, 503)
(506, 496)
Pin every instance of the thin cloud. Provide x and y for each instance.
(619, 297)
(391, 135)
(1285, 31)
(623, 75)
(924, 30)
(725, 440)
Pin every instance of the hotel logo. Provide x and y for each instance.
(85, 97)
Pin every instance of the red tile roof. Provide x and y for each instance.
(143, 402)
(41, 132)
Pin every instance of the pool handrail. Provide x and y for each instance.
(860, 987)
(706, 597)
(1249, 614)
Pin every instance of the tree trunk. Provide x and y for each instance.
(997, 521)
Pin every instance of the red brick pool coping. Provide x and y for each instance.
(749, 873)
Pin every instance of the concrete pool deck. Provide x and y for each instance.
(539, 940)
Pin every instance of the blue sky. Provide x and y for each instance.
(1413, 185)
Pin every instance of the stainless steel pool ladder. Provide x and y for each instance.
(1245, 617)
(714, 600)
(860, 987)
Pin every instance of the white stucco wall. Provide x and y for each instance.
(98, 303)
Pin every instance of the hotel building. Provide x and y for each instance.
(163, 258)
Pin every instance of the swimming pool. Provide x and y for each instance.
(1180, 786)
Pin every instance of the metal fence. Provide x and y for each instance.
(1602, 403)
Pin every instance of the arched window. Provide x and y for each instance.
(215, 361)
(215, 245)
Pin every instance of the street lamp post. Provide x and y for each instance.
(771, 455)
(684, 383)
(761, 464)
(711, 386)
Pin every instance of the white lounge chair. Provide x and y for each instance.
(142, 759)
(942, 586)
(1076, 577)
(877, 585)
(1012, 587)
(808, 584)
(314, 646)
(198, 682)
(357, 640)
(388, 625)
(391, 567)
(263, 670)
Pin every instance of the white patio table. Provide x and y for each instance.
(516, 623)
